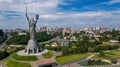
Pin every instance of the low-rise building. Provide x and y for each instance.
(64, 42)
(114, 41)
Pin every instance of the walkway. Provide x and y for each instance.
(2, 64)
(44, 61)
(4, 43)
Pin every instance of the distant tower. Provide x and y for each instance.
(32, 46)
(63, 32)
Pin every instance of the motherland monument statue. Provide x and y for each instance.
(32, 46)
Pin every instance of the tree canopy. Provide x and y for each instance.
(23, 39)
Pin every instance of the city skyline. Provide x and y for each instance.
(61, 13)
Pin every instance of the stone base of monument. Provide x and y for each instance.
(32, 47)
(23, 53)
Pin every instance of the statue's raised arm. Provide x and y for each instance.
(26, 14)
(37, 17)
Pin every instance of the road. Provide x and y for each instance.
(4, 43)
(2, 64)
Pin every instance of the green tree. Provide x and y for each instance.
(1, 39)
(3, 54)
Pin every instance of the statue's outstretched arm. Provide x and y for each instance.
(26, 15)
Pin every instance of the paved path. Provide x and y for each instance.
(2, 63)
(3, 44)
(22, 53)
(106, 60)
(89, 57)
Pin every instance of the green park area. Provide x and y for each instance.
(115, 54)
(11, 63)
(24, 58)
(49, 54)
(93, 63)
(69, 58)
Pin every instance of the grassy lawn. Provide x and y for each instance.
(85, 63)
(49, 54)
(24, 58)
(11, 63)
(69, 58)
(109, 55)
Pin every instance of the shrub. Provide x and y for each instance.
(3, 54)
(101, 53)
(113, 61)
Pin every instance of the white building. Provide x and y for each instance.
(113, 41)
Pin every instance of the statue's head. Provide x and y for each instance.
(33, 20)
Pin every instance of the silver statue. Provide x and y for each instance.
(32, 46)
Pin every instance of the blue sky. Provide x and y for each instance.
(61, 13)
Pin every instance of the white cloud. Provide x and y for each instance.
(48, 9)
(87, 14)
(112, 2)
(9, 1)
(49, 14)
(35, 6)
(91, 14)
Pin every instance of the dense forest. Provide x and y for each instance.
(23, 39)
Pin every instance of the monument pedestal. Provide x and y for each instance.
(32, 47)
